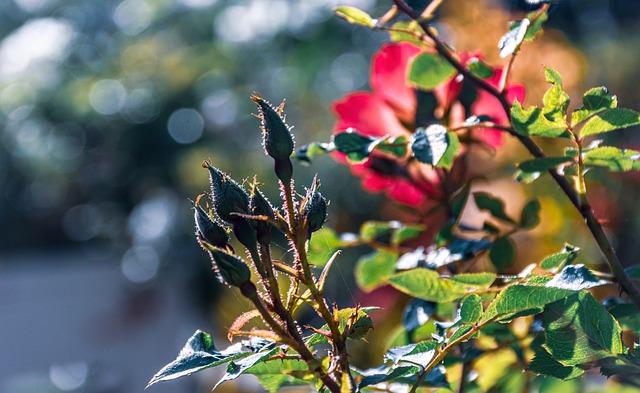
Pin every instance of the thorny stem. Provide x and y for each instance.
(581, 204)
(298, 240)
(314, 365)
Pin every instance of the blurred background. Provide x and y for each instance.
(107, 109)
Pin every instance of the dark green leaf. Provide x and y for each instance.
(355, 16)
(543, 363)
(435, 146)
(561, 258)
(579, 330)
(510, 42)
(395, 146)
(625, 367)
(471, 309)
(197, 354)
(406, 232)
(530, 215)
(532, 122)
(594, 100)
(274, 374)
(429, 70)
(610, 120)
(479, 68)
(377, 230)
(612, 158)
(628, 315)
(493, 205)
(427, 284)
(373, 270)
(308, 153)
(357, 147)
(502, 253)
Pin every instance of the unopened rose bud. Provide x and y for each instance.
(276, 134)
(231, 269)
(315, 208)
(260, 206)
(230, 202)
(208, 229)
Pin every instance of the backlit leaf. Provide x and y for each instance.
(427, 284)
(610, 120)
(429, 70)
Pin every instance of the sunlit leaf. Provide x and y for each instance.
(427, 284)
(355, 16)
(510, 42)
(610, 120)
(429, 70)
(532, 122)
(372, 270)
(575, 277)
(471, 309)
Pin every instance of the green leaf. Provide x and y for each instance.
(419, 353)
(376, 230)
(242, 366)
(435, 146)
(427, 284)
(323, 244)
(479, 68)
(198, 354)
(530, 215)
(502, 253)
(307, 153)
(594, 100)
(625, 367)
(579, 330)
(627, 315)
(471, 309)
(536, 25)
(555, 100)
(510, 42)
(526, 177)
(532, 122)
(360, 326)
(543, 363)
(355, 16)
(493, 205)
(612, 158)
(357, 147)
(561, 258)
(477, 280)
(400, 36)
(406, 232)
(610, 120)
(396, 146)
(275, 374)
(538, 165)
(429, 70)
(517, 298)
(575, 277)
(373, 270)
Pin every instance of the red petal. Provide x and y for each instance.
(368, 114)
(389, 78)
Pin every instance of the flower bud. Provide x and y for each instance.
(276, 134)
(231, 269)
(208, 229)
(260, 206)
(228, 196)
(315, 208)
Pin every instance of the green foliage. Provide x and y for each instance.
(612, 158)
(435, 146)
(374, 269)
(579, 330)
(493, 205)
(471, 309)
(429, 70)
(355, 16)
(556, 100)
(530, 215)
(324, 243)
(561, 258)
(197, 354)
(479, 68)
(594, 100)
(428, 285)
(502, 253)
(532, 122)
(610, 120)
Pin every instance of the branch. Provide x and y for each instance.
(580, 204)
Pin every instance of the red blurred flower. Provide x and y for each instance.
(390, 109)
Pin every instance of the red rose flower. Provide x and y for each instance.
(390, 109)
